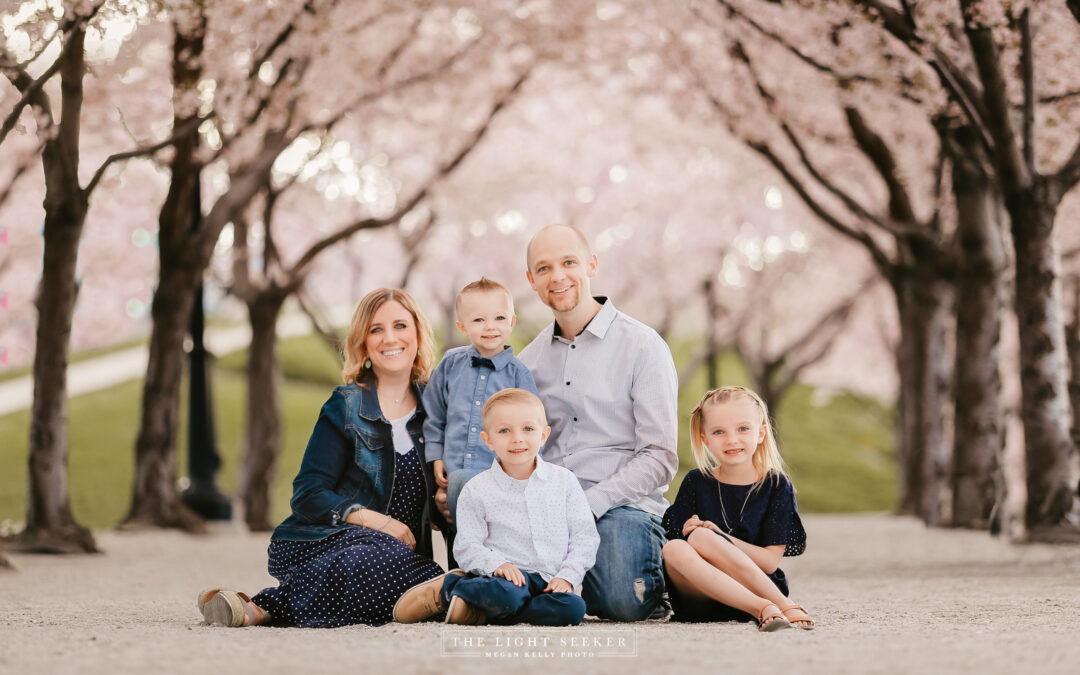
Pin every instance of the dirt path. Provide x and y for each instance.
(889, 596)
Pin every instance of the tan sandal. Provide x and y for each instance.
(804, 622)
(204, 596)
(774, 621)
(232, 609)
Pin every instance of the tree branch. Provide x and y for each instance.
(881, 259)
(30, 91)
(1007, 149)
(1069, 173)
(180, 132)
(411, 243)
(281, 38)
(397, 51)
(842, 78)
(241, 285)
(22, 168)
(392, 87)
(1027, 72)
(296, 272)
(319, 321)
(880, 155)
(960, 87)
(1063, 96)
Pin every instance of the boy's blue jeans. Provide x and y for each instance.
(504, 603)
(627, 580)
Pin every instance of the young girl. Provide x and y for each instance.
(733, 519)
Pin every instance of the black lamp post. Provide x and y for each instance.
(202, 495)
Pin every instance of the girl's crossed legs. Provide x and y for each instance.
(709, 567)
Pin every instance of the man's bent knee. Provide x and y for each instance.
(635, 603)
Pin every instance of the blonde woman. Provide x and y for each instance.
(733, 520)
(360, 531)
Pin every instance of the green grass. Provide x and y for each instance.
(102, 428)
(20, 371)
(840, 451)
(307, 358)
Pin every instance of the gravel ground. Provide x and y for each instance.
(889, 595)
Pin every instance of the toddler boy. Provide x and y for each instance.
(463, 381)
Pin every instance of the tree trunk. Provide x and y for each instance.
(978, 429)
(263, 423)
(1049, 451)
(1072, 346)
(155, 498)
(924, 303)
(50, 525)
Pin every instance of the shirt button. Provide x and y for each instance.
(472, 429)
(575, 419)
(478, 403)
(468, 455)
(568, 383)
(483, 377)
(573, 346)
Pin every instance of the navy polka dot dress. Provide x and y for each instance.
(352, 576)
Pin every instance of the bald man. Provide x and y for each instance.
(610, 389)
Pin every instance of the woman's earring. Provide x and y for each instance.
(367, 363)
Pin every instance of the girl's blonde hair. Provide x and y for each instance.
(356, 356)
(766, 458)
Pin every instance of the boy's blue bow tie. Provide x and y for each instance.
(480, 361)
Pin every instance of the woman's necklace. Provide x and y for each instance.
(404, 395)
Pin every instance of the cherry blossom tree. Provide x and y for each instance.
(59, 29)
(265, 293)
(991, 64)
(883, 57)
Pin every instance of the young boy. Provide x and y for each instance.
(464, 379)
(525, 532)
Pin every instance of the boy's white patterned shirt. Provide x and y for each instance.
(542, 524)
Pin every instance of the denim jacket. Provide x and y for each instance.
(350, 460)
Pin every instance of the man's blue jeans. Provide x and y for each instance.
(455, 482)
(504, 603)
(627, 580)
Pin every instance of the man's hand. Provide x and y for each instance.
(440, 473)
(558, 585)
(440, 503)
(511, 573)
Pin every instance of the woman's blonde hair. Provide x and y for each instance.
(356, 356)
(766, 458)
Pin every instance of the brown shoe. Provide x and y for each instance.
(232, 609)
(463, 614)
(423, 600)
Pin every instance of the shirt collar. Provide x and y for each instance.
(500, 360)
(598, 325)
(543, 471)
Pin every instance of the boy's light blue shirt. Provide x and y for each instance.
(453, 399)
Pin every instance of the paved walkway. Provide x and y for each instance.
(890, 596)
(130, 364)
